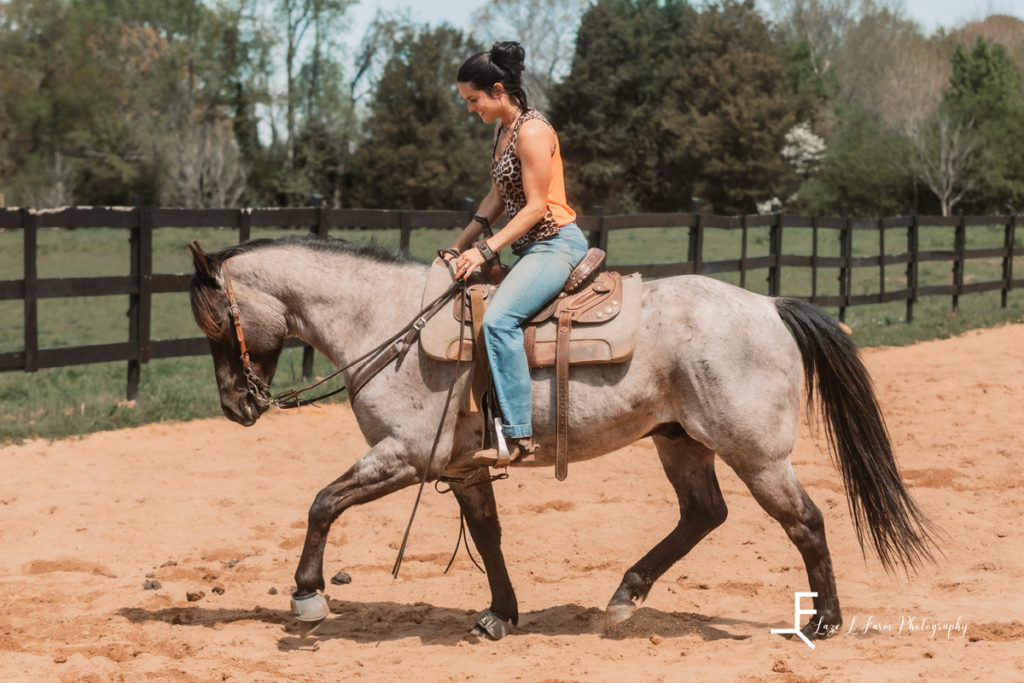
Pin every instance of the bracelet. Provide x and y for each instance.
(484, 222)
(485, 250)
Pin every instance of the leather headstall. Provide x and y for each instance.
(255, 386)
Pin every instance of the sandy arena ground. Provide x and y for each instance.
(214, 510)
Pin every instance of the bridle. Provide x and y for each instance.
(255, 387)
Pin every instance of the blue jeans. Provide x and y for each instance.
(536, 278)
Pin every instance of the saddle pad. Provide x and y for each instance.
(612, 341)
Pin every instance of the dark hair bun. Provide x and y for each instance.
(509, 55)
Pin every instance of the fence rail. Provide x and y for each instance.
(141, 283)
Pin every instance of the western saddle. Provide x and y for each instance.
(589, 297)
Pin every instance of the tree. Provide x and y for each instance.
(943, 145)
(986, 92)
(608, 112)
(203, 167)
(101, 90)
(297, 17)
(419, 150)
(863, 170)
(999, 29)
(869, 52)
(734, 86)
(665, 102)
(821, 25)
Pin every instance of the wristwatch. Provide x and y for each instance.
(485, 250)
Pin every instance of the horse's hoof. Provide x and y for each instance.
(311, 607)
(619, 612)
(492, 625)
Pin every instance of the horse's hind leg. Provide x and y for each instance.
(690, 467)
(476, 499)
(776, 488)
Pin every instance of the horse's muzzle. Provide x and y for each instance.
(244, 412)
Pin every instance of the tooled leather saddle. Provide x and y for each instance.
(593, 320)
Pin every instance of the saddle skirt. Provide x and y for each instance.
(604, 315)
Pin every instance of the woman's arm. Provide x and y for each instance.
(490, 208)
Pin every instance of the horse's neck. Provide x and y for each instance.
(342, 304)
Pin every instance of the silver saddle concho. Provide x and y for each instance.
(594, 320)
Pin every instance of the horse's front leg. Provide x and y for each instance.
(476, 499)
(385, 469)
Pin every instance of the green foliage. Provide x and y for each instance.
(987, 89)
(863, 171)
(103, 91)
(664, 102)
(420, 150)
(247, 102)
(741, 103)
(806, 77)
(605, 111)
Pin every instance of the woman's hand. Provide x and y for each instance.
(467, 262)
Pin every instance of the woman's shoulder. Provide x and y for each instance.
(535, 124)
(535, 132)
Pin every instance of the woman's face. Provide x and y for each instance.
(487, 107)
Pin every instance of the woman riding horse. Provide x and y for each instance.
(527, 183)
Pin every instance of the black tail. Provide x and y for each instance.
(858, 438)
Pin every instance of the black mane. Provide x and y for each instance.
(371, 250)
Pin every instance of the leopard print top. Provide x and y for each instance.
(507, 173)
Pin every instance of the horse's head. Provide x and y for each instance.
(246, 330)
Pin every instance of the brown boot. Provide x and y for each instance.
(520, 449)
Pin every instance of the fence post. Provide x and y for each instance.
(881, 260)
(30, 228)
(845, 254)
(308, 352)
(598, 238)
(912, 241)
(244, 224)
(743, 252)
(140, 304)
(814, 258)
(405, 234)
(959, 243)
(696, 245)
(131, 391)
(774, 254)
(1008, 242)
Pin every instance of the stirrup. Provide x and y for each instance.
(498, 456)
(503, 456)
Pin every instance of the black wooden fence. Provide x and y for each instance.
(141, 283)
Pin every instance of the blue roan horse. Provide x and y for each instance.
(717, 372)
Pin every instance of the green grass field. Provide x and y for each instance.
(60, 402)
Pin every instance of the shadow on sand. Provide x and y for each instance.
(370, 622)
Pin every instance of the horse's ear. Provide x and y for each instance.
(204, 265)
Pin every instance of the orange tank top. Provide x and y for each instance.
(507, 173)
